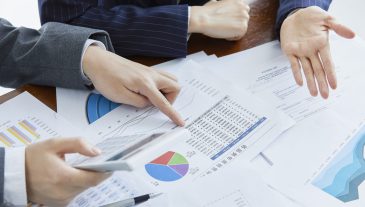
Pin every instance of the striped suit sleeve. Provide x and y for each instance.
(148, 31)
(287, 6)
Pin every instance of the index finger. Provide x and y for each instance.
(160, 101)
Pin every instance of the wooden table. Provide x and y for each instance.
(261, 30)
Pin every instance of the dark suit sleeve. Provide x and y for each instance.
(134, 30)
(2, 166)
(287, 6)
(50, 56)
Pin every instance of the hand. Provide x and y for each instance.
(124, 81)
(226, 19)
(50, 181)
(304, 39)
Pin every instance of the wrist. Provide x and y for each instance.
(197, 19)
(91, 60)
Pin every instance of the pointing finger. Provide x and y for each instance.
(160, 101)
(170, 89)
(132, 98)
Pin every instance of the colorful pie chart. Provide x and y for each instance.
(97, 106)
(170, 166)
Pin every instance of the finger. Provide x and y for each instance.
(74, 145)
(159, 100)
(309, 76)
(320, 75)
(340, 29)
(295, 66)
(170, 89)
(167, 74)
(85, 179)
(329, 66)
(131, 98)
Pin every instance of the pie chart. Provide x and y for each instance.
(170, 166)
(97, 106)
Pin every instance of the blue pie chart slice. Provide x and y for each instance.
(97, 106)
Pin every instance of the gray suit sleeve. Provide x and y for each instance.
(49, 56)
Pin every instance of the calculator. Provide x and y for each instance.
(115, 151)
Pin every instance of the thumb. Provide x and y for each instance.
(340, 29)
(74, 145)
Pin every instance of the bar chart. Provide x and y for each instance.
(24, 132)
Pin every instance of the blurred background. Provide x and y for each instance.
(25, 13)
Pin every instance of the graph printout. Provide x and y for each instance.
(223, 123)
(23, 124)
(342, 177)
(335, 176)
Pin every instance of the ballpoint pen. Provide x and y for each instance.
(132, 201)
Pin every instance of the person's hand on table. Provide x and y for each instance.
(305, 40)
(50, 181)
(128, 82)
(226, 19)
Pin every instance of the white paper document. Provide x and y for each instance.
(229, 187)
(274, 83)
(23, 124)
(330, 174)
(225, 122)
(319, 161)
(184, 174)
(121, 185)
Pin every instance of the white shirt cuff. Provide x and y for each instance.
(15, 191)
(88, 43)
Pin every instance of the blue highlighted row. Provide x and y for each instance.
(243, 135)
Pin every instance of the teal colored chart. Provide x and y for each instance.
(343, 176)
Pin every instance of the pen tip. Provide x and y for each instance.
(154, 195)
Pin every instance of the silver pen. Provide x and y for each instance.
(133, 201)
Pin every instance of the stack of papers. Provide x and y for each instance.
(251, 132)
(226, 125)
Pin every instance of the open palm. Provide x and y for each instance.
(304, 39)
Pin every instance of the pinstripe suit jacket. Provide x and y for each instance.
(142, 27)
(136, 27)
